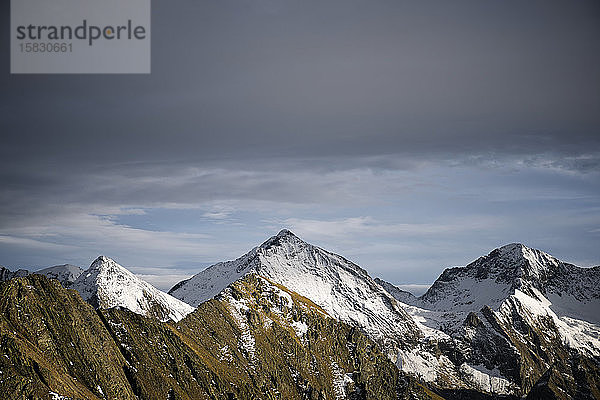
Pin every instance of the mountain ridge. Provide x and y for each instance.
(66, 274)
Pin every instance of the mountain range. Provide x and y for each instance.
(291, 320)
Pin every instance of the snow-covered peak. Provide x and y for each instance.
(106, 265)
(340, 287)
(284, 239)
(286, 234)
(107, 284)
(66, 274)
(491, 279)
(514, 265)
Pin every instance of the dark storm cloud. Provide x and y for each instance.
(250, 79)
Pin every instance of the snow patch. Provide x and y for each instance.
(300, 328)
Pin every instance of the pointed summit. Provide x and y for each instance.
(100, 260)
(512, 249)
(106, 264)
(107, 284)
(512, 266)
(516, 263)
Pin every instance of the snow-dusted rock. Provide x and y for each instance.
(399, 294)
(566, 290)
(517, 311)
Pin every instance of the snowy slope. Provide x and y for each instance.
(516, 309)
(66, 274)
(106, 284)
(341, 288)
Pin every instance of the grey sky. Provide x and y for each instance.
(408, 136)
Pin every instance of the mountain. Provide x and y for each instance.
(255, 340)
(106, 284)
(516, 274)
(66, 274)
(6, 274)
(486, 327)
(523, 315)
(343, 289)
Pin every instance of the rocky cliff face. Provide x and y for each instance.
(256, 340)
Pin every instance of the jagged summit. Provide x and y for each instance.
(108, 265)
(511, 248)
(284, 236)
(107, 284)
(98, 261)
